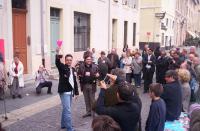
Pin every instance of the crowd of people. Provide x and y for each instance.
(118, 106)
(176, 85)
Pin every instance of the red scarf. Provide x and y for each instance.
(16, 70)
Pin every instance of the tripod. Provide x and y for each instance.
(4, 103)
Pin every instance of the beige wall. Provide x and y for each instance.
(98, 10)
(152, 24)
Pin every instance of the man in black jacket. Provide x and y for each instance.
(162, 66)
(67, 88)
(126, 112)
(148, 69)
(172, 95)
(88, 74)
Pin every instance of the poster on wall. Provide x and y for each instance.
(2, 49)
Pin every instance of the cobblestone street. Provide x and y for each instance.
(32, 113)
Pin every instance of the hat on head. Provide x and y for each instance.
(194, 107)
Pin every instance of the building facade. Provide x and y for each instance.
(31, 28)
(157, 22)
(187, 20)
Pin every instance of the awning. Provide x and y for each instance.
(192, 34)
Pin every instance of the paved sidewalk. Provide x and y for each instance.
(42, 113)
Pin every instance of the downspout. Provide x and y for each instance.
(42, 32)
(108, 26)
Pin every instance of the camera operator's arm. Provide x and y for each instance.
(58, 62)
(100, 105)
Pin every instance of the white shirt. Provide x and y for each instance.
(71, 81)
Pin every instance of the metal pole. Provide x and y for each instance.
(108, 26)
(42, 32)
(4, 101)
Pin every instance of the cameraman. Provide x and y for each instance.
(41, 75)
(125, 112)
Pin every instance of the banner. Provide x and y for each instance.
(2, 49)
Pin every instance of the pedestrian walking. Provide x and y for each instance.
(67, 88)
(88, 74)
(17, 77)
(42, 80)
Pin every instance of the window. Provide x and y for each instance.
(167, 22)
(166, 40)
(172, 24)
(163, 39)
(81, 31)
(125, 32)
(134, 34)
(20, 4)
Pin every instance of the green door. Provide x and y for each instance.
(55, 32)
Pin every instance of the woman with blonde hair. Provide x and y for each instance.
(184, 77)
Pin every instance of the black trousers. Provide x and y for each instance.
(148, 79)
(42, 85)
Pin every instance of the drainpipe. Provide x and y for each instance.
(109, 25)
(42, 32)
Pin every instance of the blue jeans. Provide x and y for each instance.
(137, 79)
(66, 118)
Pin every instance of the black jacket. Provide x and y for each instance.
(162, 66)
(126, 113)
(172, 96)
(152, 64)
(64, 73)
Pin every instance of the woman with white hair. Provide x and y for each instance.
(184, 77)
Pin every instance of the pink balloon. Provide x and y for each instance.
(59, 43)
